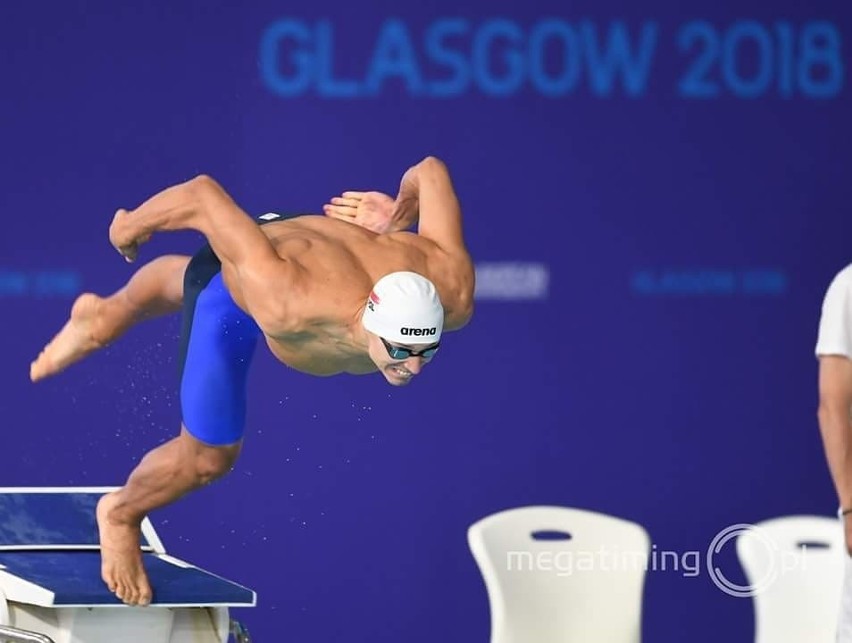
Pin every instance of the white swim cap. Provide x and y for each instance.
(404, 308)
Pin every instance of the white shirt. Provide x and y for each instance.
(835, 324)
(835, 338)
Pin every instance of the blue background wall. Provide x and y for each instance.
(689, 206)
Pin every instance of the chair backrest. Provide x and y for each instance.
(795, 566)
(561, 575)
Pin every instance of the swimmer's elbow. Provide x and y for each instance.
(463, 317)
(205, 186)
(461, 312)
(208, 196)
(467, 308)
(463, 296)
(432, 163)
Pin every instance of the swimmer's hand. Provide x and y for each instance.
(374, 211)
(125, 236)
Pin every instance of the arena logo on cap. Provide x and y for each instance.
(418, 332)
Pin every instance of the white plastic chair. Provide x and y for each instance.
(584, 589)
(795, 565)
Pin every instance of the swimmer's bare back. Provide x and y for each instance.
(334, 266)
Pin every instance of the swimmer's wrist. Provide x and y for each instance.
(845, 513)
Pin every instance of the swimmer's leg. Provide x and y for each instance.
(155, 289)
(164, 475)
(217, 348)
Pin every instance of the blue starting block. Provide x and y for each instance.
(51, 588)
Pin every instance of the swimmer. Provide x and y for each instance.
(348, 292)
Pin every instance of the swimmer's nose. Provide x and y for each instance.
(414, 364)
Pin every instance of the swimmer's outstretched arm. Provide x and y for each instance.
(382, 214)
(427, 195)
(202, 204)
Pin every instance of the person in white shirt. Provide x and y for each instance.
(834, 351)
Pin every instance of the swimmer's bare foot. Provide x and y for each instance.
(72, 343)
(121, 559)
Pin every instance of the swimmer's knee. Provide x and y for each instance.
(211, 461)
(214, 462)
